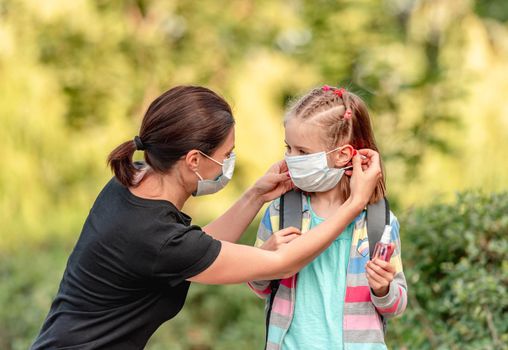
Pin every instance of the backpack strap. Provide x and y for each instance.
(290, 210)
(378, 216)
(290, 214)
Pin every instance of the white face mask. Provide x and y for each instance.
(212, 186)
(311, 173)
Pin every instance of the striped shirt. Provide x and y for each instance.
(362, 323)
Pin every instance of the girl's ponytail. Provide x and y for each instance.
(120, 161)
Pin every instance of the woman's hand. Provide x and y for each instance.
(279, 238)
(233, 223)
(274, 183)
(349, 166)
(380, 274)
(366, 176)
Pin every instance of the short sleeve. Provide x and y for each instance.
(186, 253)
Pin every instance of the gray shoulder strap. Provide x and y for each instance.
(290, 210)
(378, 215)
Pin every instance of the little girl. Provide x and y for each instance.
(341, 299)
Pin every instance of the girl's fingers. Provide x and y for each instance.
(290, 237)
(385, 275)
(385, 265)
(379, 275)
(288, 231)
(373, 283)
(375, 277)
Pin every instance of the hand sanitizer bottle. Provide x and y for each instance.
(384, 249)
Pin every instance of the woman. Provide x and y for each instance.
(137, 253)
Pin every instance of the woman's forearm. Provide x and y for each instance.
(301, 251)
(239, 263)
(232, 224)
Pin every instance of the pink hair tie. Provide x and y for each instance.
(339, 92)
(348, 115)
(326, 88)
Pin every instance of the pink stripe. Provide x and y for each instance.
(287, 282)
(361, 322)
(282, 307)
(358, 294)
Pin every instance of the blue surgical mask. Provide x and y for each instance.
(311, 173)
(212, 186)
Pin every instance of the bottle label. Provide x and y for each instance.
(383, 251)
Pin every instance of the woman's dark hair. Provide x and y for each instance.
(181, 119)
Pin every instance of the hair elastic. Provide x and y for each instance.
(139, 144)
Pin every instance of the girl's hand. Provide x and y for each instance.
(366, 176)
(280, 238)
(379, 275)
(274, 183)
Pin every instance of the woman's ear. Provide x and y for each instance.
(192, 160)
(343, 156)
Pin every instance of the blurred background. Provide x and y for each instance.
(76, 77)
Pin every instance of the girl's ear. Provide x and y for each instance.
(343, 156)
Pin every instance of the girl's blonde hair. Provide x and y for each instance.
(344, 119)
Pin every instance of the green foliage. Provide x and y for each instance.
(455, 262)
(28, 284)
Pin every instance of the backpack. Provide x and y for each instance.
(290, 214)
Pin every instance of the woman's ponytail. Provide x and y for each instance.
(120, 161)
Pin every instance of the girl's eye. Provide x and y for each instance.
(288, 148)
(302, 152)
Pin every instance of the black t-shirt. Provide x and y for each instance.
(127, 273)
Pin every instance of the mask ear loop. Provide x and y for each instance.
(199, 176)
(349, 164)
(213, 160)
(333, 150)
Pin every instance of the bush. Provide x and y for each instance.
(456, 267)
